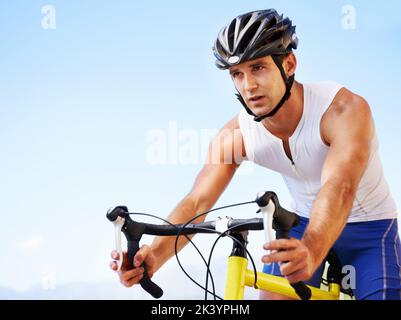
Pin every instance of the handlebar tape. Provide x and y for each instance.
(302, 290)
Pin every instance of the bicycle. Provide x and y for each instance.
(238, 276)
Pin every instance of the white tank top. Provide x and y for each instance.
(373, 199)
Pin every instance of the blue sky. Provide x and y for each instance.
(78, 104)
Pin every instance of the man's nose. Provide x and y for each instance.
(250, 83)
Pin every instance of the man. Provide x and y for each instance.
(321, 138)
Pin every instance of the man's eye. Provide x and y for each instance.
(235, 74)
(257, 68)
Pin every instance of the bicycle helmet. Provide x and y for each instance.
(254, 35)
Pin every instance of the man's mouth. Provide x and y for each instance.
(256, 99)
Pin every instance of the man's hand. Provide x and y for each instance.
(295, 259)
(130, 277)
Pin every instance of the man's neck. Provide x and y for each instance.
(285, 121)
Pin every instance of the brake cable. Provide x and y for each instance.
(207, 265)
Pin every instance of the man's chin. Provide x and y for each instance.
(258, 112)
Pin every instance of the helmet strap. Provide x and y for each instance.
(240, 99)
(288, 85)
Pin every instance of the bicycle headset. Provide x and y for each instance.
(254, 35)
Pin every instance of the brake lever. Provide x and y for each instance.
(118, 225)
(268, 216)
(118, 222)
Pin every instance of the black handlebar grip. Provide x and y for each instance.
(302, 290)
(146, 284)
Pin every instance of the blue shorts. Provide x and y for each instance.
(373, 249)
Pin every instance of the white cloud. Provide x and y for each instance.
(33, 243)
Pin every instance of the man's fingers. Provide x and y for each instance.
(130, 276)
(281, 244)
(132, 281)
(293, 266)
(278, 257)
(133, 276)
(127, 275)
(141, 255)
(113, 265)
(114, 255)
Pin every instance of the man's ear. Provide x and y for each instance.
(290, 64)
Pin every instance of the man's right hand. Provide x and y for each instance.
(130, 277)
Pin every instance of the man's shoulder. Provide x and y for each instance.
(346, 102)
(230, 132)
(231, 125)
(348, 110)
(229, 141)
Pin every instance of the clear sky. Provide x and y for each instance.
(81, 104)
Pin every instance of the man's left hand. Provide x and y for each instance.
(295, 259)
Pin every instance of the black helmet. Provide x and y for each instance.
(254, 35)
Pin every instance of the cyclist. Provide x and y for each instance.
(321, 138)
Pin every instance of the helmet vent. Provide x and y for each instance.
(276, 36)
(248, 36)
(230, 36)
(245, 21)
(272, 22)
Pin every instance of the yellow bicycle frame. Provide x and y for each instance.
(239, 276)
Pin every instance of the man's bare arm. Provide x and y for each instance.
(225, 155)
(348, 129)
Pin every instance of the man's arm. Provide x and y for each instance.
(347, 127)
(226, 152)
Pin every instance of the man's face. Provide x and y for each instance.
(260, 84)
